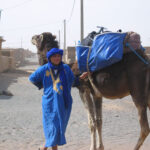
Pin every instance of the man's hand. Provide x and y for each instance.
(83, 75)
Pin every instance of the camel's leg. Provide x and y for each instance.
(98, 107)
(149, 102)
(88, 103)
(139, 89)
(92, 126)
(142, 112)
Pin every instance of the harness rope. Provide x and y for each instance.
(97, 92)
(145, 62)
(134, 51)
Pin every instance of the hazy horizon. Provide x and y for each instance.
(21, 19)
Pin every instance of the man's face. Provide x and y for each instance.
(55, 59)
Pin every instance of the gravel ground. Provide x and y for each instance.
(21, 117)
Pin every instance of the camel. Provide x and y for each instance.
(130, 76)
(44, 42)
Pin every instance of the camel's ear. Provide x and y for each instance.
(41, 37)
(54, 37)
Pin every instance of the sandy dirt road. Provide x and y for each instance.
(21, 117)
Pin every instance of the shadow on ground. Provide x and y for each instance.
(10, 77)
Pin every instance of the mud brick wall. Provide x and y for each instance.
(7, 60)
(4, 63)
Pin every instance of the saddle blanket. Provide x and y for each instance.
(106, 50)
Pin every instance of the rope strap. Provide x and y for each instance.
(134, 51)
(96, 91)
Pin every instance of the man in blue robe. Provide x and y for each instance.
(56, 80)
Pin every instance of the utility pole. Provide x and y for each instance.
(0, 13)
(64, 35)
(21, 43)
(59, 38)
(82, 21)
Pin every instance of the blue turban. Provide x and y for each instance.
(54, 51)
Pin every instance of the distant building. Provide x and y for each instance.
(11, 58)
(70, 55)
(1, 40)
(18, 54)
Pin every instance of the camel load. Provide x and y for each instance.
(98, 51)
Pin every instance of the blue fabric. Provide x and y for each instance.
(63, 79)
(54, 51)
(106, 50)
(82, 54)
(55, 114)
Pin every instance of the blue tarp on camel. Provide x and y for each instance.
(106, 50)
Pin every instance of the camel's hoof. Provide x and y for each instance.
(100, 148)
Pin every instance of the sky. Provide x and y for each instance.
(22, 19)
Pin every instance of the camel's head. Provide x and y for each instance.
(44, 42)
(37, 41)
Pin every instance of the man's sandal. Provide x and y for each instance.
(42, 148)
